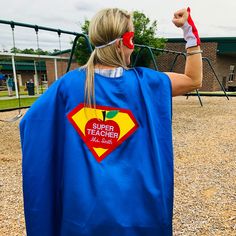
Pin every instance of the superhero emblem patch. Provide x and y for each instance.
(102, 129)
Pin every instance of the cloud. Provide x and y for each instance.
(85, 6)
(58, 20)
(69, 16)
(227, 28)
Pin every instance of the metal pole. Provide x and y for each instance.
(199, 98)
(137, 56)
(32, 56)
(74, 47)
(55, 68)
(14, 73)
(36, 26)
(173, 64)
(222, 87)
(36, 78)
(153, 59)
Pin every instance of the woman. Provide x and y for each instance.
(10, 85)
(97, 146)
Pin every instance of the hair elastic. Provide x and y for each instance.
(126, 38)
(105, 45)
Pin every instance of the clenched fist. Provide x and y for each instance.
(180, 17)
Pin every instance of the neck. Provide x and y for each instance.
(100, 66)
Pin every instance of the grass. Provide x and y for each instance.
(25, 102)
(4, 93)
(13, 103)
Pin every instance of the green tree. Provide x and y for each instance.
(29, 51)
(82, 52)
(145, 34)
(15, 50)
(39, 51)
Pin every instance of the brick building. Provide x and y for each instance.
(28, 68)
(25, 70)
(220, 51)
(61, 66)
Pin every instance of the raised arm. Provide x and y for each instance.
(192, 77)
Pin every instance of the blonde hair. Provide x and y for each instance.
(106, 26)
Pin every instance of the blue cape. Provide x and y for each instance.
(68, 191)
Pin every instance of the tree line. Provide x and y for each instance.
(32, 51)
(145, 34)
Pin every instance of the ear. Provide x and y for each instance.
(119, 45)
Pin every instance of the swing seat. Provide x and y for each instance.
(13, 119)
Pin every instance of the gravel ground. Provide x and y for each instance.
(205, 169)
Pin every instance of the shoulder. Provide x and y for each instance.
(151, 76)
(153, 80)
(148, 72)
(67, 81)
(71, 76)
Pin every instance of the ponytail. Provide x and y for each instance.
(89, 88)
(106, 25)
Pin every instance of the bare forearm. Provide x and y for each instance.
(192, 77)
(193, 66)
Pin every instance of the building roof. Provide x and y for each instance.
(61, 52)
(225, 45)
(23, 66)
(226, 48)
(205, 39)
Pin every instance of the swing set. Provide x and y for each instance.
(38, 57)
(151, 52)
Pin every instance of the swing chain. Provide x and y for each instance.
(37, 61)
(37, 37)
(13, 36)
(59, 40)
(19, 115)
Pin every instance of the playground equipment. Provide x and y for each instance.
(15, 118)
(37, 57)
(231, 84)
(151, 54)
(150, 50)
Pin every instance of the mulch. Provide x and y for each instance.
(205, 169)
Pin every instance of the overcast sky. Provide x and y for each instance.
(214, 18)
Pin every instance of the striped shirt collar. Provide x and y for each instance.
(111, 73)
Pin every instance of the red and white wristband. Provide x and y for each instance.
(190, 32)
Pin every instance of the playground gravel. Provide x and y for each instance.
(205, 169)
